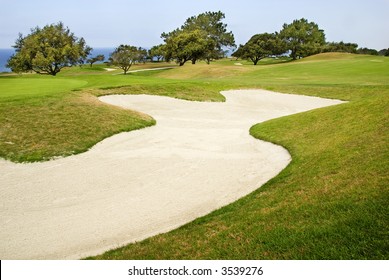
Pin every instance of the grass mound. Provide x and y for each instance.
(52, 126)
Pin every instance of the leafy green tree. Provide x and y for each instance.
(185, 46)
(92, 60)
(142, 55)
(124, 56)
(303, 38)
(157, 52)
(211, 52)
(340, 47)
(238, 53)
(367, 51)
(260, 46)
(47, 50)
(210, 32)
(384, 52)
(215, 31)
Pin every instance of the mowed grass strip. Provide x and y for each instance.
(193, 91)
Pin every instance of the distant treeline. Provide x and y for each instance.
(203, 37)
(297, 39)
(352, 48)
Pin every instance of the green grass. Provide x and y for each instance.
(239, 62)
(331, 202)
(60, 126)
(22, 88)
(43, 117)
(183, 90)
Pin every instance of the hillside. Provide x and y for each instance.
(331, 202)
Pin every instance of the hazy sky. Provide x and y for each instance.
(140, 23)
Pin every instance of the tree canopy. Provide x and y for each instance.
(96, 58)
(260, 46)
(302, 38)
(157, 52)
(124, 56)
(205, 36)
(47, 50)
(367, 51)
(185, 46)
(384, 52)
(340, 47)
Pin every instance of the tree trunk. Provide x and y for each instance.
(294, 54)
(53, 71)
(194, 61)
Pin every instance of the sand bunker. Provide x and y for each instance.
(133, 185)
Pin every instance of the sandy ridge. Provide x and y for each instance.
(133, 185)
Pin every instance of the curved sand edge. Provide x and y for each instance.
(198, 158)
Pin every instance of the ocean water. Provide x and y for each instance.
(104, 51)
(5, 54)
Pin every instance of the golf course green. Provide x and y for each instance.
(331, 202)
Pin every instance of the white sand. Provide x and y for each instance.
(133, 185)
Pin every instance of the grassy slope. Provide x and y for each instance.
(330, 203)
(43, 117)
(40, 118)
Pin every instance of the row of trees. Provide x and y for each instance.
(204, 37)
(49, 49)
(300, 38)
(352, 48)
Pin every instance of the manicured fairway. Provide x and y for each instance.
(19, 88)
(331, 202)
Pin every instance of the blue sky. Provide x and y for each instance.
(140, 23)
